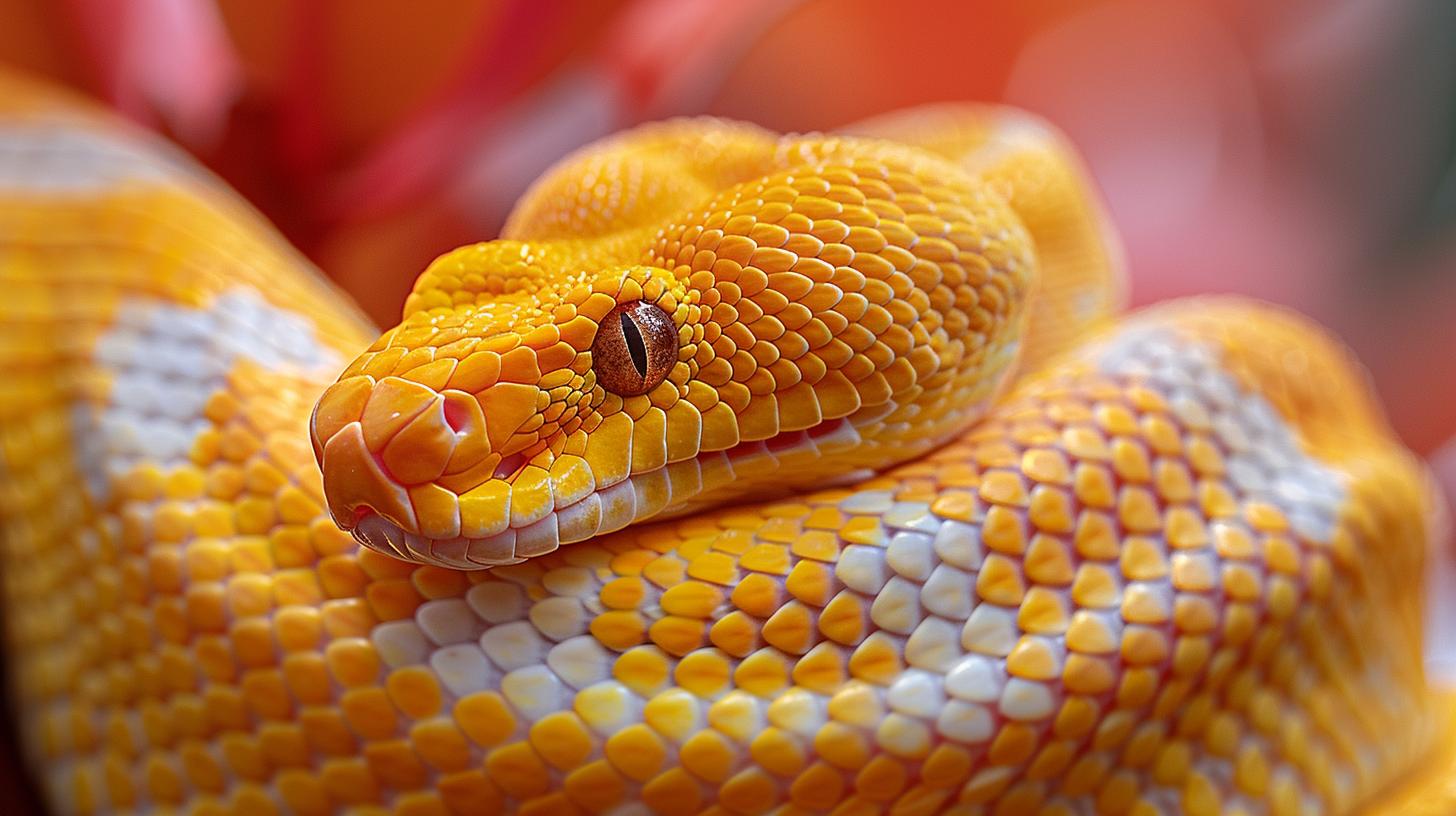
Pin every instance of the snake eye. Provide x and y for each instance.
(635, 347)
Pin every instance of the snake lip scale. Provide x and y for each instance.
(506, 547)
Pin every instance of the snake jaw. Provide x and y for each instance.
(371, 438)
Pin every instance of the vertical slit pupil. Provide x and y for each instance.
(635, 344)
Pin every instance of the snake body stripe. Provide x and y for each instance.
(914, 522)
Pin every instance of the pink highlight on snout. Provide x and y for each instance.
(509, 465)
(457, 417)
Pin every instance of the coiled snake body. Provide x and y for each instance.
(813, 474)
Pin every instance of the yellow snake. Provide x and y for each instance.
(813, 474)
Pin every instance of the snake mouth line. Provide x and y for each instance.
(662, 493)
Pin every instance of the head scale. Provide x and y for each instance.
(845, 306)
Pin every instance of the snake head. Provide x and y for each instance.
(784, 336)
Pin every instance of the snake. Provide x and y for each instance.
(744, 473)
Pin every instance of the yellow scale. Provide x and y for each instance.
(746, 474)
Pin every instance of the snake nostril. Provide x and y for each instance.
(457, 416)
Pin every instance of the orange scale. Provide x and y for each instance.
(1138, 687)
(369, 712)
(1241, 582)
(307, 678)
(248, 800)
(420, 803)
(352, 661)
(619, 629)
(437, 582)
(845, 618)
(749, 791)
(1195, 616)
(415, 691)
(1096, 537)
(881, 779)
(709, 756)
(247, 595)
(328, 540)
(294, 587)
(1087, 674)
(1130, 460)
(1142, 645)
(1043, 612)
(705, 672)
(290, 547)
(1004, 530)
(819, 788)
(255, 516)
(225, 482)
(215, 519)
(284, 745)
(485, 718)
(120, 788)
(1093, 486)
(758, 595)
(252, 641)
(959, 505)
(1137, 510)
(673, 793)
(393, 600)
(632, 562)
(665, 571)
(298, 628)
(1216, 500)
(1050, 510)
(188, 721)
(678, 635)
(171, 522)
(879, 659)
(595, 786)
(811, 582)
(863, 530)
(1119, 792)
(693, 599)
(1048, 561)
(713, 567)
(999, 581)
(266, 694)
(1143, 559)
(395, 764)
(623, 593)
(326, 731)
(562, 740)
(772, 559)
(1265, 517)
(1240, 622)
(163, 781)
(763, 672)
(469, 791)
(204, 610)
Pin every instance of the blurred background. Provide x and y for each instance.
(1301, 152)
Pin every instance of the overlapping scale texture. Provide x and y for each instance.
(1173, 573)
(840, 304)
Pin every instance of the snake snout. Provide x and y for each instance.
(385, 446)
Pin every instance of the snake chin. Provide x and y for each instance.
(743, 472)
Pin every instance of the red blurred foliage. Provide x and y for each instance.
(1266, 149)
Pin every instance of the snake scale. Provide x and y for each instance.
(745, 474)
